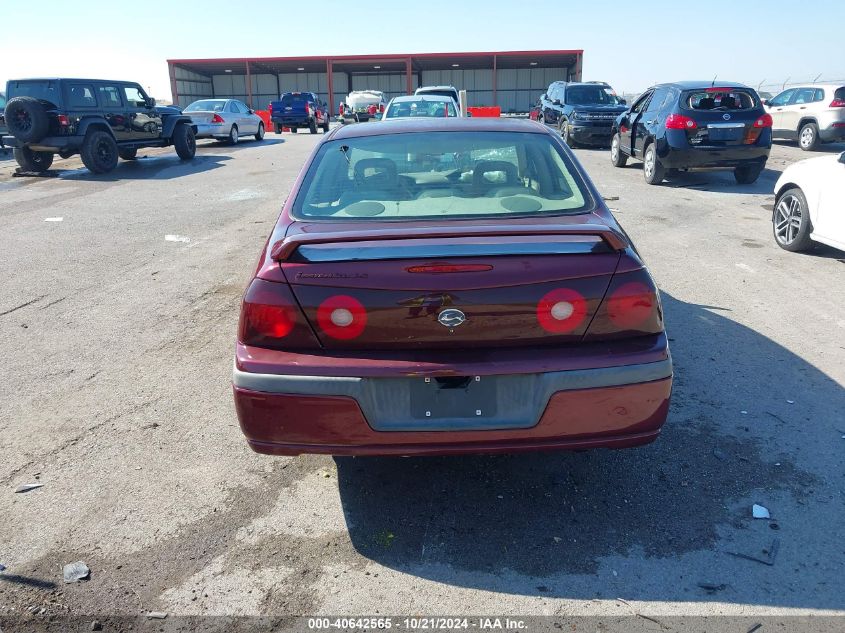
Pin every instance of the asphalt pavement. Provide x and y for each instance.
(118, 310)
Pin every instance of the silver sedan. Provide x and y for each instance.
(225, 119)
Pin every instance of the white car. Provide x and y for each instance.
(810, 204)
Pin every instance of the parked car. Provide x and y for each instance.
(812, 114)
(420, 106)
(101, 120)
(225, 120)
(694, 125)
(3, 129)
(582, 112)
(448, 285)
(296, 110)
(442, 91)
(362, 105)
(809, 204)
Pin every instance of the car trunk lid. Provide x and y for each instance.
(438, 287)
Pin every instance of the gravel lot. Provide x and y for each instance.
(117, 352)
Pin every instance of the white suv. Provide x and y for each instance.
(811, 114)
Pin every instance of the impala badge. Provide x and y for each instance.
(452, 318)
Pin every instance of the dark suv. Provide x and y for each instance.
(582, 112)
(695, 125)
(101, 120)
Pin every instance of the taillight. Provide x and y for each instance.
(837, 103)
(270, 107)
(342, 317)
(381, 107)
(764, 121)
(561, 311)
(63, 120)
(217, 119)
(270, 317)
(631, 307)
(307, 109)
(680, 122)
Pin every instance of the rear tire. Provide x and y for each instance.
(233, 135)
(653, 171)
(791, 223)
(30, 160)
(312, 126)
(617, 157)
(277, 128)
(128, 153)
(99, 152)
(747, 174)
(184, 141)
(26, 119)
(808, 137)
(259, 136)
(326, 127)
(293, 129)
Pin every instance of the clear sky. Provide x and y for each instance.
(629, 44)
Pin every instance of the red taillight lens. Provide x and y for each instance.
(270, 317)
(270, 108)
(63, 120)
(561, 311)
(217, 119)
(371, 109)
(342, 317)
(381, 107)
(631, 308)
(307, 109)
(764, 121)
(837, 103)
(680, 122)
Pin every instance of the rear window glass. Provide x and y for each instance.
(839, 94)
(719, 99)
(440, 175)
(591, 95)
(291, 99)
(207, 105)
(43, 90)
(421, 108)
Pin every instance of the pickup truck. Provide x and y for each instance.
(299, 109)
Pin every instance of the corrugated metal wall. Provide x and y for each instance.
(516, 89)
(191, 86)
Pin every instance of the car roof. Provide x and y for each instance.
(422, 97)
(701, 85)
(439, 124)
(108, 81)
(437, 88)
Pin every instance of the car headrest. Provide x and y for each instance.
(376, 173)
(707, 103)
(486, 166)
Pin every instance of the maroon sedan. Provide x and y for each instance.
(448, 286)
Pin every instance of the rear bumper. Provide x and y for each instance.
(712, 157)
(287, 121)
(207, 130)
(831, 133)
(610, 407)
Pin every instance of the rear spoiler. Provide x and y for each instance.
(283, 249)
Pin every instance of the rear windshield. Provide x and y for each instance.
(43, 90)
(591, 95)
(422, 108)
(719, 99)
(839, 94)
(441, 175)
(207, 105)
(290, 99)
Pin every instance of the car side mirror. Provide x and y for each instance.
(556, 102)
(251, 111)
(766, 102)
(842, 158)
(151, 102)
(623, 102)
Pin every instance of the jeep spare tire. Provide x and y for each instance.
(27, 119)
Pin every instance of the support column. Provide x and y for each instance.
(408, 75)
(249, 85)
(495, 72)
(174, 90)
(330, 78)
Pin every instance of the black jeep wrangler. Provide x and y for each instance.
(101, 120)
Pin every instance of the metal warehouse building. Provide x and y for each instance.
(510, 79)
